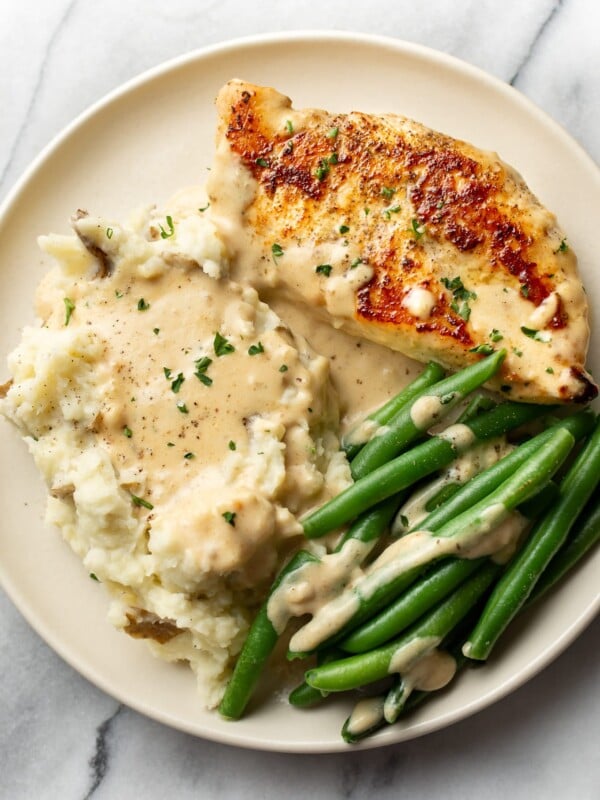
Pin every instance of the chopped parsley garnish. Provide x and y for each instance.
(262, 162)
(447, 398)
(277, 251)
(202, 364)
(167, 234)
(332, 133)
(461, 295)
(170, 444)
(288, 125)
(333, 158)
(562, 247)
(283, 368)
(109, 233)
(524, 289)
(404, 521)
(322, 171)
(221, 346)
(94, 577)
(255, 349)
(142, 305)
(387, 192)
(204, 208)
(517, 352)
(229, 517)
(549, 370)
(167, 372)
(355, 263)
(118, 294)
(391, 210)
(367, 211)
(139, 501)
(232, 445)
(532, 333)
(69, 309)
(324, 269)
(495, 335)
(127, 432)
(156, 331)
(485, 349)
(189, 456)
(176, 384)
(182, 407)
(417, 229)
(463, 310)
(344, 229)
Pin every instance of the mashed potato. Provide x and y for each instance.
(180, 426)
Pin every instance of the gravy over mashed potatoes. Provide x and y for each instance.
(180, 425)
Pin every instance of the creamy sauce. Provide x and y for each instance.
(364, 432)
(315, 583)
(426, 411)
(461, 470)
(419, 302)
(205, 400)
(414, 550)
(503, 541)
(543, 314)
(409, 653)
(432, 672)
(340, 291)
(460, 436)
(364, 374)
(366, 714)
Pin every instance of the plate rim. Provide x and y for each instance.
(548, 654)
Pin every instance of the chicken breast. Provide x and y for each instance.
(403, 236)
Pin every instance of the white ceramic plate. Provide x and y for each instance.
(139, 145)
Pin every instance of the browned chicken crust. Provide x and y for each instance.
(460, 256)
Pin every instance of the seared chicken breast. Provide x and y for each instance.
(403, 236)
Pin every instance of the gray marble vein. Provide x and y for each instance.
(60, 737)
(47, 54)
(538, 35)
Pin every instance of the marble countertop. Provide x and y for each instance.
(60, 737)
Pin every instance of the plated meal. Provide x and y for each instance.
(333, 401)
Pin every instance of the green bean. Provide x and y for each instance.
(304, 696)
(372, 523)
(441, 497)
(419, 696)
(388, 576)
(431, 374)
(395, 700)
(585, 534)
(403, 428)
(476, 405)
(549, 535)
(430, 589)
(407, 469)
(375, 720)
(366, 668)
(579, 425)
(259, 644)
(453, 645)
(262, 636)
